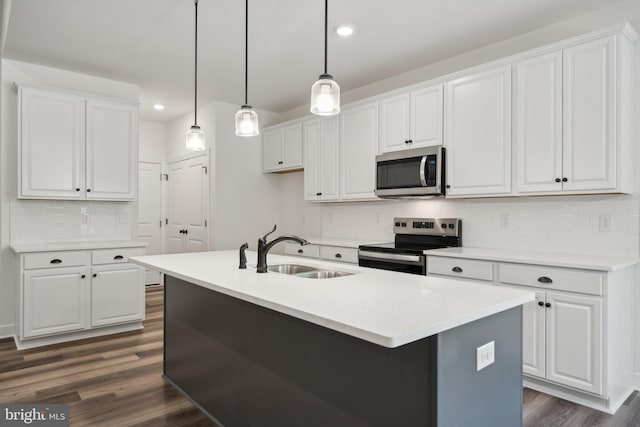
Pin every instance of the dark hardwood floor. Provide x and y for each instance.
(116, 381)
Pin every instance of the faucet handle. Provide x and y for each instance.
(264, 238)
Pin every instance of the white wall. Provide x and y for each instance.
(68, 211)
(553, 224)
(152, 141)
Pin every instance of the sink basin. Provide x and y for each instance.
(291, 268)
(323, 274)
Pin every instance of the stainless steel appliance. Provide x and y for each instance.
(411, 173)
(412, 237)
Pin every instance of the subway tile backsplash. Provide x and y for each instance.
(53, 221)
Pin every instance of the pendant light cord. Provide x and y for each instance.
(326, 14)
(246, 51)
(195, 89)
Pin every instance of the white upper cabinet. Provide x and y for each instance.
(76, 147)
(538, 124)
(589, 151)
(478, 134)
(282, 148)
(51, 151)
(411, 120)
(358, 148)
(320, 138)
(111, 150)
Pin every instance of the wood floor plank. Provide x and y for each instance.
(116, 380)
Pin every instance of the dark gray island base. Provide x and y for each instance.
(246, 365)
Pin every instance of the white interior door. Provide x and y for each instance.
(175, 210)
(150, 213)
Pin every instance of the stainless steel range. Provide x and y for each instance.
(413, 237)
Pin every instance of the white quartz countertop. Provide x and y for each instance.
(586, 262)
(344, 243)
(383, 307)
(73, 246)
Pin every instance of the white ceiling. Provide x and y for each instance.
(150, 42)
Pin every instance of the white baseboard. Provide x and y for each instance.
(636, 380)
(6, 331)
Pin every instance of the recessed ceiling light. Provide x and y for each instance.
(158, 107)
(344, 30)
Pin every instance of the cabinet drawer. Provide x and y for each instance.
(561, 279)
(114, 256)
(337, 253)
(457, 267)
(312, 251)
(56, 259)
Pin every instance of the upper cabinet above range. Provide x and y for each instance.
(75, 147)
(411, 120)
(282, 148)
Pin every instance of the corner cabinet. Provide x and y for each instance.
(478, 134)
(321, 153)
(73, 294)
(282, 148)
(411, 120)
(75, 147)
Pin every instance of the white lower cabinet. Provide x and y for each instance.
(116, 295)
(55, 301)
(326, 252)
(59, 303)
(577, 337)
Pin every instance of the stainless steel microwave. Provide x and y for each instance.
(411, 173)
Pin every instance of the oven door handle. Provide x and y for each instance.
(378, 256)
(423, 178)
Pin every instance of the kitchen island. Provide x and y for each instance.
(375, 348)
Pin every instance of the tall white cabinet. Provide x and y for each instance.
(321, 157)
(73, 146)
(358, 149)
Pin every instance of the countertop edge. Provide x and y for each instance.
(21, 248)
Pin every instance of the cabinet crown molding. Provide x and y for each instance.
(16, 85)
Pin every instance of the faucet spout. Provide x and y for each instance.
(264, 247)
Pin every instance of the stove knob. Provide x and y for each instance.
(451, 226)
(404, 224)
(397, 224)
(444, 225)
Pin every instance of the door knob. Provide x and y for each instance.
(540, 303)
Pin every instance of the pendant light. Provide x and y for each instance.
(246, 117)
(325, 93)
(195, 135)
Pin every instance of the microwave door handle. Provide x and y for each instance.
(423, 178)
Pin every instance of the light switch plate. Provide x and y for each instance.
(485, 355)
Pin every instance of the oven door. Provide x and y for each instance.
(416, 172)
(405, 263)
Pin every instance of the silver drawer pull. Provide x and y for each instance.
(56, 261)
(456, 269)
(118, 257)
(544, 279)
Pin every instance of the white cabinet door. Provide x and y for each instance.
(117, 294)
(111, 150)
(292, 146)
(175, 214)
(478, 134)
(321, 159)
(539, 124)
(533, 336)
(574, 341)
(55, 300)
(427, 108)
(394, 123)
(358, 147)
(51, 144)
(282, 148)
(589, 128)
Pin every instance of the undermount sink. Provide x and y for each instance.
(290, 268)
(306, 271)
(323, 274)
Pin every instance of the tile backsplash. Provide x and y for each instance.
(52, 221)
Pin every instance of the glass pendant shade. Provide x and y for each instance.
(247, 122)
(195, 139)
(325, 96)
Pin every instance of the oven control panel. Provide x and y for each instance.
(427, 226)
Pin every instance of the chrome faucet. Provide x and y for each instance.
(263, 248)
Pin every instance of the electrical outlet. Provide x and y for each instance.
(605, 223)
(485, 355)
(86, 219)
(505, 220)
(121, 219)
